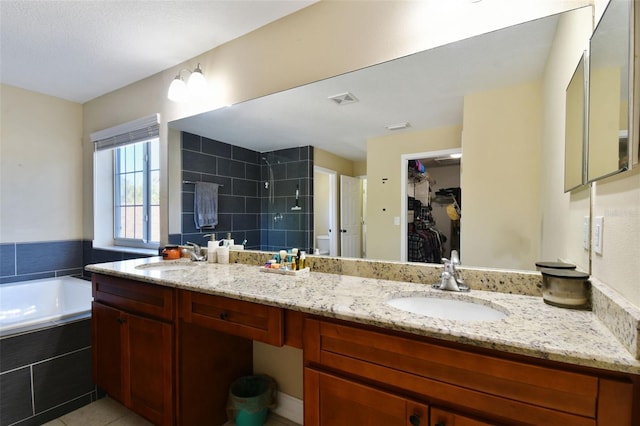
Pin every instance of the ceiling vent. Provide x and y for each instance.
(344, 98)
(398, 126)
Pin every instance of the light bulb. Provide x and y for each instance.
(178, 90)
(197, 84)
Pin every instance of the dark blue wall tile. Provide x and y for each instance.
(188, 202)
(197, 162)
(62, 379)
(27, 277)
(7, 260)
(253, 171)
(289, 154)
(191, 142)
(297, 239)
(15, 396)
(244, 187)
(48, 256)
(243, 154)
(219, 149)
(242, 222)
(252, 204)
(231, 168)
(231, 204)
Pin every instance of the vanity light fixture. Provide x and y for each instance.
(458, 155)
(195, 86)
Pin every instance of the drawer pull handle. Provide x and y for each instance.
(414, 419)
(224, 316)
(441, 424)
(121, 320)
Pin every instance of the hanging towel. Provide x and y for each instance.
(205, 209)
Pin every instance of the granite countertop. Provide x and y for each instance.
(531, 328)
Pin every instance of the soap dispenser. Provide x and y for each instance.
(212, 247)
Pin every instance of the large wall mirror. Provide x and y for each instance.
(268, 140)
(611, 92)
(575, 122)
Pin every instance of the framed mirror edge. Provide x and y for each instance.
(633, 96)
(583, 65)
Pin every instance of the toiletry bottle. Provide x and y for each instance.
(302, 263)
(212, 246)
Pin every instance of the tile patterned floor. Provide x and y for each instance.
(106, 411)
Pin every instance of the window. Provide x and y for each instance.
(136, 180)
(126, 202)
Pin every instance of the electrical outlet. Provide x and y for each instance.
(396, 220)
(585, 233)
(598, 230)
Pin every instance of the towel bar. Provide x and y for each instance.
(190, 181)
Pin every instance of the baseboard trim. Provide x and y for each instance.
(290, 408)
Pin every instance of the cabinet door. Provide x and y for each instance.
(441, 417)
(107, 352)
(333, 401)
(148, 373)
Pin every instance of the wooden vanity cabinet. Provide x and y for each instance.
(466, 385)
(332, 400)
(241, 318)
(440, 417)
(133, 342)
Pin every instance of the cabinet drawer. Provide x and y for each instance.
(512, 390)
(240, 318)
(134, 296)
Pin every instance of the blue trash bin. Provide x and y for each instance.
(250, 398)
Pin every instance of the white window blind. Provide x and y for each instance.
(139, 130)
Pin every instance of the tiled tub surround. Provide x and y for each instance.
(532, 328)
(45, 373)
(47, 259)
(245, 208)
(37, 260)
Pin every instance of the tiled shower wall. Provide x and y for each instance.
(244, 206)
(283, 225)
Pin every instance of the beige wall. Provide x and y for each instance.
(500, 177)
(331, 161)
(604, 103)
(617, 199)
(562, 214)
(384, 196)
(41, 167)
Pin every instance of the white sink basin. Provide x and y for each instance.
(450, 309)
(168, 265)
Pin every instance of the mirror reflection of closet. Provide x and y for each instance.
(434, 208)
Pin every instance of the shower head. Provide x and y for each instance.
(266, 161)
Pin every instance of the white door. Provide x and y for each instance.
(350, 216)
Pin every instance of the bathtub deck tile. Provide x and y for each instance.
(62, 379)
(32, 347)
(15, 396)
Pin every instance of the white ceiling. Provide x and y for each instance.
(426, 89)
(81, 49)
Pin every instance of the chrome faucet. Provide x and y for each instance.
(195, 251)
(450, 279)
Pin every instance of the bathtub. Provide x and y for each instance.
(45, 336)
(26, 305)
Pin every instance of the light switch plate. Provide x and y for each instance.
(396, 220)
(585, 233)
(598, 229)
